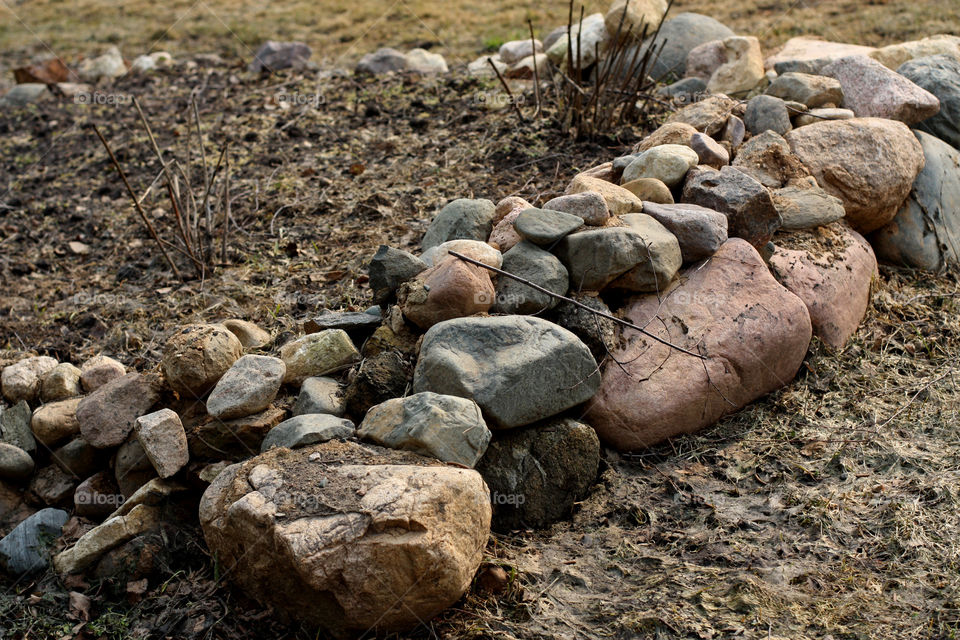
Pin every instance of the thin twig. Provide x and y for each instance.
(506, 88)
(536, 73)
(543, 290)
(136, 203)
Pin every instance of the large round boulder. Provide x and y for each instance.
(869, 163)
(348, 537)
(196, 356)
(751, 332)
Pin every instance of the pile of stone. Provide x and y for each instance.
(351, 475)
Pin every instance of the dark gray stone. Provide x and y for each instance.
(311, 428)
(15, 427)
(532, 263)
(685, 90)
(678, 36)
(700, 231)
(537, 473)
(940, 75)
(544, 227)
(747, 204)
(808, 89)
(806, 207)
(461, 219)
(926, 230)
(598, 333)
(15, 463)
(390, 268)
(382, 61)
(519, 369)
(767, 113)
(320, 395)
(812, 67)
(25, 549)
(78, 458)
(357, 324)
(273, 56)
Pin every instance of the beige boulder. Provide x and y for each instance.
(670, 133)
(831, 269)
(708, 116)
(752, 332)
(196, 356)
(869, 163)
(348, 537)
(894, 55)
(619, 200)
(633, 16)
(743, 69)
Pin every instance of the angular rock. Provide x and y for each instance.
(743, 69)
(230, 439)
(545, 227)
(452, 289)
(22, 381)
(872, 90)
(51, 485)
(274, 56)
(106, 66)
(940, 75)
(377, 379)
(317, 354)
(926, 230)
(60, 383)
(767, 113)
(708, 116)
(752, 331)
(530, 67)
(53, 423)
(528, 261)
(700, 232)
(24, 551)
(373, 541)
(164, 441)
(619, 200)
(768, 159)
(806, 207)
(746, 203)
(448, 428)
(21, 95)
(461, 219)
(668, 163)
(734, 131)
(196, 356)
(320, 395)
(250, 335)
(650, 190)
(808, 89)
(98, 371)
(685, 91)
(537, 473)
(709, 151)
(15, 427)
(390, 268)
(107, 415)
(111, 534)
(831, 269)
(15, 463)
(248, 387)
(704, 59)
(869, 163)
(517, 368)
(591, 207)
(307, 429)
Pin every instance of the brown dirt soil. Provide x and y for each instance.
(828, 509)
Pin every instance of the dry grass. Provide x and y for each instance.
(342, 30)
